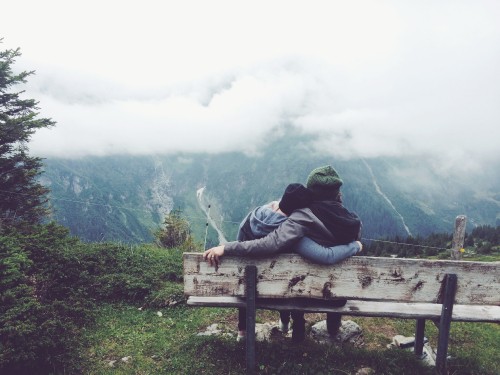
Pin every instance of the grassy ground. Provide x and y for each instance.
(129, 340)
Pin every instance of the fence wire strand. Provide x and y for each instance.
(198, 217)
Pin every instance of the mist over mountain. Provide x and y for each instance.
(125, 198)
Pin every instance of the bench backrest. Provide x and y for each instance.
(356, 278)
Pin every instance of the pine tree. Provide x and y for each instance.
(39, 318)
(176, 232)
(22, 197)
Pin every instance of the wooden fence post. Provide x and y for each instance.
(457, 245)
(458, 237)
(251, 291)
(445, 322)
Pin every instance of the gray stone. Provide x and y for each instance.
(348, 332)
(429, 356)
(263, 331)
(211, 330)
(365, 371)
(407, 343)
(403, 341)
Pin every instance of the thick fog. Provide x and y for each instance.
(372, 78)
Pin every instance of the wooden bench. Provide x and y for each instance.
(438, 290)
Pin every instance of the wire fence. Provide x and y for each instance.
(201, 218)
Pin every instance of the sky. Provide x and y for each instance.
(370, 78)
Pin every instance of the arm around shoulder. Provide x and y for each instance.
(284, 237)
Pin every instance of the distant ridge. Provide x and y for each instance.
(125, 198)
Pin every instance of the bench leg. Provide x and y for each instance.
(445, 322)
(251, 289)
(419, 338)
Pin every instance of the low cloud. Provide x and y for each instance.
(359, 114)
(397, 78)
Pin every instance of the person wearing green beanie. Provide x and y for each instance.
(263, 220)
(324, 182)
(324, 220)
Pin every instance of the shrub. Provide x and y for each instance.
(39, 314)
(115, 272)
(176, 232)
(50, 283)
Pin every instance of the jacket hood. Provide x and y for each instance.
(344, 224)
(263, 220)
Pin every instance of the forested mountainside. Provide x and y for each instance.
(125, 198)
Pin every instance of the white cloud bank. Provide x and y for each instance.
(373, 78)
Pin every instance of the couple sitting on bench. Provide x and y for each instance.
(308, 220)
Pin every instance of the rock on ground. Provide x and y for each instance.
(348, 332)
(403, 342)
(263, 331)
(365, 371)
(211, 330)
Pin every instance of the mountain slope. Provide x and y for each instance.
(126, 197)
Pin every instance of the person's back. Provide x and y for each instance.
(330, 224)
(265, 219)
(337, 226)
(260, 222)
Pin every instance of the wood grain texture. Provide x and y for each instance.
(356, 278)
(461, 313)
(458, 237)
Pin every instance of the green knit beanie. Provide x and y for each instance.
(324, 182)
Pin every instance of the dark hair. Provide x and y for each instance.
(295, 196)
(339, 197)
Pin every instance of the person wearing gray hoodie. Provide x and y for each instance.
(316, 220)
(267, 218)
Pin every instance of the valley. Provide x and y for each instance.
(125, 198)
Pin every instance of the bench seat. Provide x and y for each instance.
(438, 290)
(461, 313)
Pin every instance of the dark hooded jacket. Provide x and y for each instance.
(325, 222)
(259, 223)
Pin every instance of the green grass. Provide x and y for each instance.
(471, 257)
(494, 257)
(168, 344)
(156, 344)
(474, 345)
(471, 345)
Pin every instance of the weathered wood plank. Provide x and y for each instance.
(461, 313)
(356, 278)
(457, 241)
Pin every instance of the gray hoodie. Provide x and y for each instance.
(259, 223)
(300, 223)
